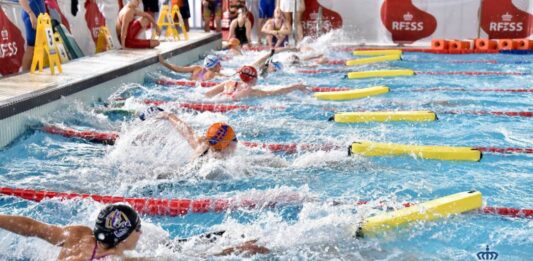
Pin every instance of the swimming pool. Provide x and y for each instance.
(149, 160)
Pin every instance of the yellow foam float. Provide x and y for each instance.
(377, 52)
(382, 116)
(427, 211)
(376, 59)
(380, 73)
(425, 152)
(351, 94)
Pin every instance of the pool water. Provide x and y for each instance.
(150, 160)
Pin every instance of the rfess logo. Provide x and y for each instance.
(506, 24)
(487, 255)
(408, 24)
(7, 48)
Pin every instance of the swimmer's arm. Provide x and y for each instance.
(232, 27)
(311, 57)
(183, 128)
(215, 90)
(267, 28)
(280, 91)
(28, 227)
(124, 28)
(178, 69)
(248, 248)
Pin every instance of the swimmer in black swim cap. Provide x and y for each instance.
(116, 223)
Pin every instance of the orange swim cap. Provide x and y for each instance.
(247, 73)
(234, 42)
(220, 136)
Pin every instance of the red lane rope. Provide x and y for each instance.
(495, 113)
(92, 136)
(177, 207)
(471, 73)
(111, 137)
(337, 62)
(469, 90)
(203, 107)
(329, 89)
(186, 83)
(422, 50)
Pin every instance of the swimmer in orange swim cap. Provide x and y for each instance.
(219, 140)
(234, 47)
(237, 90)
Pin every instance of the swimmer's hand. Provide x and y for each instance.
(163, 115)
(301, 86)
(248, 248)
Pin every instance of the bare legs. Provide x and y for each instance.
(27, 59)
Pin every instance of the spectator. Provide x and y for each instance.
(212, 7)
(276, 30)
(128, 26)
(151, 7)
(288, 8)
(31, 10)
(241, 28)
(234, 7)
(185, 12)
(266, 11)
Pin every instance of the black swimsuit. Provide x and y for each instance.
(240, 33)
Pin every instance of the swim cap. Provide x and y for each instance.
(247, 73)
(277, 65)
(115, 223)
(211, 61)
(150, 112)
(220, 135)
(234, 42)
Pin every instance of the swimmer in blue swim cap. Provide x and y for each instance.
(211, 68)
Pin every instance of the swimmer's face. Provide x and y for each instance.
(271, 68)
(217, 68)
(278, 14)
(294, 59)
(131, 242)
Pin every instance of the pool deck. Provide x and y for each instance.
(23, 94)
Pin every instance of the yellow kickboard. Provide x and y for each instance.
(380, 73)
(424, 152)
(381, 116)
(376, 59)
(351, 94)
(377, 52)
(431, 210)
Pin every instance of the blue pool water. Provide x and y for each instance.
(150, 160)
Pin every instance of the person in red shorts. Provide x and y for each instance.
(130, 22)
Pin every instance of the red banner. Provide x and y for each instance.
(501, 19)
(406, 22)
(11, 46)
(330, 20)
(95, 19)
(55, 13)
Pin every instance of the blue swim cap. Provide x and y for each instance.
(211, 61)
(149, 112)
(277, 65)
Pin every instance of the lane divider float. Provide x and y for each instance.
(374, 59)
(351, 94)
(377, 52)
(383, 116)
(178, 207)
(367, 148)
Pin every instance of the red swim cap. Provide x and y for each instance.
(220, 136)
(247, 73)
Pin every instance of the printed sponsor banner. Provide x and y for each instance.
(11, 46)
(406, 22)
(330, 20)
(501, 19)
(95, 19)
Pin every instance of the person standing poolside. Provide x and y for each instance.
(209, 71)
(185, 12)
(241, 28)
(128, 26)
(276, 31)
(31, 11)
(151, 7)
(266, 12)
(212, 8)
(237, 90)
(288, 8)
(117, 229)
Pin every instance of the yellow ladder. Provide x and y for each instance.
(165, 20)
(45, 45)
(176, 12)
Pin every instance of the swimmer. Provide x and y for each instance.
(219, 141)
(117, 229)
(209, 71)
(312, 59)
(265, 64)
(128, 26)
(237, 90)
(234, 47)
